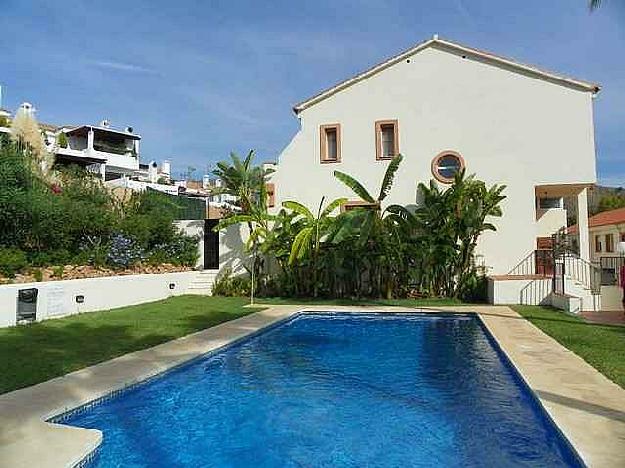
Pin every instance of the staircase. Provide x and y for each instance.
(203, 283)
(579, 278)
(542, 278)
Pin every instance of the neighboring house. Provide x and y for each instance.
(607, 244)
(100, 148)
(445, 106)
(114, 153)
(607, 230)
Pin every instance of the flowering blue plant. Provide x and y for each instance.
(124, 251)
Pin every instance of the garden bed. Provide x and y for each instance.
(69, 272)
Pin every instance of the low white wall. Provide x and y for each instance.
(519, 291)
(611, 298)
(58, 298)
(570, 304)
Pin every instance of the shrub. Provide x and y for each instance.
(57, 271)
(181, 250)
(124, 252)
(38, 274)
(62, 140)
(96, 255)
(51, 257)
(231, 286)
(12, 261)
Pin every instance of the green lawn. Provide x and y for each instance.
(435, 302)
(602, 346)
(38, 352)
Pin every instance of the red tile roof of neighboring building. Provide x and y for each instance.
(604, 218)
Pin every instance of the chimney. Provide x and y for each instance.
(153, 172)
(166, 168)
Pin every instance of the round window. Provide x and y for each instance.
(446, 165)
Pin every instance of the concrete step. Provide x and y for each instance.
(199, 292)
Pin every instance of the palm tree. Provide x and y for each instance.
(243, 180)
(307, 242)
(247, 183)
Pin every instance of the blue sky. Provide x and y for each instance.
(200, 78)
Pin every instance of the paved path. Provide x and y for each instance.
(615, 317)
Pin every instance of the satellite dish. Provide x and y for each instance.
(129, 129)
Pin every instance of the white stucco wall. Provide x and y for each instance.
(232, 252)
(195, 228)
(510, 128)
(519, 291)
(616, 230)
(58, 298)
(549, 221)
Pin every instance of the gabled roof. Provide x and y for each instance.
(454, 47)
(605, 218)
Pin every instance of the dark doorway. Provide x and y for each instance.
(211, 245)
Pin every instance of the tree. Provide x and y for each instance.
(247, 183)
(594, 4)
(610, 202)
(312, 228)
(244, 181)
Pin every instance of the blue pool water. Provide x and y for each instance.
(335, 390)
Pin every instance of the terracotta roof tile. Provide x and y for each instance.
(604, 218)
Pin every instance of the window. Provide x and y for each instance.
(330, 139)
(597, 243)
(446, 165)
(549, 202)
(386, 139)
(271, 195)
(609, 243)
(623, 237)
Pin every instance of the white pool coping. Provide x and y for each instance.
(588, 408)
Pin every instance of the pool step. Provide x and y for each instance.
(203, 283)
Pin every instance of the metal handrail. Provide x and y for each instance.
(615, 264)
(538, 262)
(580, 270)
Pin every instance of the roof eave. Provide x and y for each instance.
(581, 85)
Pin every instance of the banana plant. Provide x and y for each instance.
(307, 242)
(368, 227)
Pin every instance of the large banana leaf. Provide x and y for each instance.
(298, 208)
(333, 206)
(389, 176)
(354, 185)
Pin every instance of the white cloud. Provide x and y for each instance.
(121, 66)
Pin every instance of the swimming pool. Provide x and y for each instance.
(336, 389)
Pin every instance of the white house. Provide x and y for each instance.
(115, 153)
(607, 250)
(445, 106)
